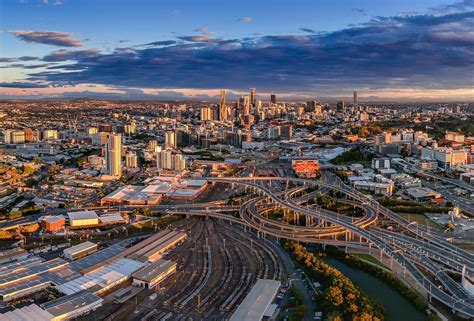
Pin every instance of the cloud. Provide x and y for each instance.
(63, 54)
(55, 38)
(245, 19)
(175, 13)
(158, 43)
(307, 30)
(197, 38)
(423, 51)
(359, 10)
(18, 84)
(23, 58)
(457, 7)
(54, 3)
(204, 31)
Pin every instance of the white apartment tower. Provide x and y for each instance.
(114, 155)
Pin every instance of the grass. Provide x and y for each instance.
(369, 258)
(420, 219)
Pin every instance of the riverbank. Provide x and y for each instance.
(410, 305)
(340, 298)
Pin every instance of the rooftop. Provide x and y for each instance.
(80, 247)
(154, 270)
(82, 215)
(257, 301)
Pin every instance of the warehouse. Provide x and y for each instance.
(53, 223)
(154, 273)
(69, 307)
(153, 251)
(29, 312)
(133, 195)
(111, 219)
(79, 251)
(257, 301)
(83, 219)
(103, 278)
(14, 254)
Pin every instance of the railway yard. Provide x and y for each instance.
(217, 276)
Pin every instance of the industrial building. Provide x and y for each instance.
(111, 219)
(31, 275)
(11, 255)
(164, 241)
(83, 219)
(29, 312)
(79, 251)
(257, 301)
(103, 278)
(133, 195)
(69, 307)
(53, 223)
(154, 273)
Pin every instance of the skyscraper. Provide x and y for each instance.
(355, 99)
(114, 155)
(131, 160)
(222, 107)
(206, 113)
(245, 103)
(164, 159)
(170, 139)
(273, 99)
(340, 108)
(253, 97)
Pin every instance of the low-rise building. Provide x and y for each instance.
(53, 223)
(422, 193)
(154, 273)
(79, 251)
(83, 219)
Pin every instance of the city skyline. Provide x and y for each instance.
(395, 51)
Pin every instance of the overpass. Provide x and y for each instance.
(451, 293)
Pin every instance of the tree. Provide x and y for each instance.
(449, 226)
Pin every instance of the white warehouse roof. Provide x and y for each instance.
(257, 301)
(29, 312)
(79, 248)
(102, 276)
(82, 215)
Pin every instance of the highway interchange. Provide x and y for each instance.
(422, 254)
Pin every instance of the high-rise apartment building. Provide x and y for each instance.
(222, 107)
(170, 139)
(14, 136)
(206, 113)
(114, 155)
(131, 160)
(273, 99)
(341, 107)
(50, 134)
(245, 103)
(253, 97)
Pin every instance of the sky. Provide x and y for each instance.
(178, 49)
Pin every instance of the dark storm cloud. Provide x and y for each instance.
(461, 6)
(17, 84)
(307, 30)
(158, 43)
(63, 54)
(55, 38)
(12, 59)
(421, 51)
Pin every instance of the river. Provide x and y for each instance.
(396, 306)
